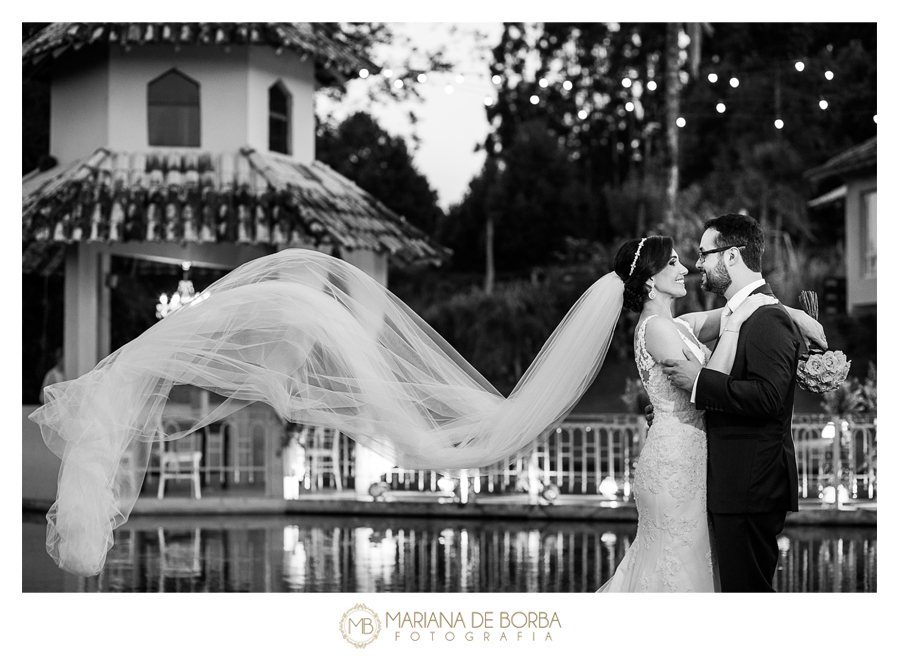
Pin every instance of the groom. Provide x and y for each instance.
(751, 472)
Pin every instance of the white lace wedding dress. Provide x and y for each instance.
(672, 550)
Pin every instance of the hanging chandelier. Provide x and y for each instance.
(183, 296)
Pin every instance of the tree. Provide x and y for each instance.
(533, 199)
(381, 164)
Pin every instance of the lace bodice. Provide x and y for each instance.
(667, 399)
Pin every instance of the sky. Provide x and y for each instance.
(451, 124)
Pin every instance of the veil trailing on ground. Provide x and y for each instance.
(324, 344)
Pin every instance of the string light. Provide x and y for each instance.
(568, 85)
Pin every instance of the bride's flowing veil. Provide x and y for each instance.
(324, 344)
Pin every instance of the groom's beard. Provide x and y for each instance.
(717, 281)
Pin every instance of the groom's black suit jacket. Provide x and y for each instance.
(751, 466)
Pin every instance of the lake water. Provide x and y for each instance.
(403, 554)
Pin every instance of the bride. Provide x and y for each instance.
(322, 344)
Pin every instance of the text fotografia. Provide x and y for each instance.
(480, 626)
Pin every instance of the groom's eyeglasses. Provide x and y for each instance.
(702, 254)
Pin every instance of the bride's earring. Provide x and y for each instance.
(652, 293)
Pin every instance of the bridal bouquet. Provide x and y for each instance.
(820, 372)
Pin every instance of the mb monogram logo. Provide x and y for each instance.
(360, 626)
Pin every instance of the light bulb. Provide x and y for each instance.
(363, 73)
(460, 79)
(582, 114)
(422, 77)
(823, 104)
(398, 83)
(496, 79)
(387, 73)
(543, 82)
(488, 101)
(629, 106)
(449, 89)
(651, 85)
(567, 85)
(734, 82)
(799, 66)
(712, 77)
(720, 108)
(534, 100)
(680, 122)
(779, 124)
(829, 75)
(626, 82)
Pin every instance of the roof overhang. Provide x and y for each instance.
(828, 198)
(182, 196)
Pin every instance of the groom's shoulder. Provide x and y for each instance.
(770, 317)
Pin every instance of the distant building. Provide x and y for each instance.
(851, 180)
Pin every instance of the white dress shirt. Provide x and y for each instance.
(736, 300)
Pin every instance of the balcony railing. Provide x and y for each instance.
(836, 460)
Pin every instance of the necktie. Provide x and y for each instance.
(726, 313)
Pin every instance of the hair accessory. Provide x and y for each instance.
(637, 255)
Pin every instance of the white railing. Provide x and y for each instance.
(837, 458)
(597, 455)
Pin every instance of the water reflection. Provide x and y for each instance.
(364, 554)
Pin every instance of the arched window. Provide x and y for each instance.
(279, 119)
(173, 110)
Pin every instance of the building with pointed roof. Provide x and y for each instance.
(191, 143)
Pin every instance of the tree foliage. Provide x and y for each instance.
(614, 154)
(381, 164)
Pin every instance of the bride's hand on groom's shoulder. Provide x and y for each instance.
(752, 304)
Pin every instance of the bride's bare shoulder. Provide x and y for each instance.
(662, 338)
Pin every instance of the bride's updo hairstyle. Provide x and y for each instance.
(636, 262)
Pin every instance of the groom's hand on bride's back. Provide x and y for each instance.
(648, 413)
(682, 373)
